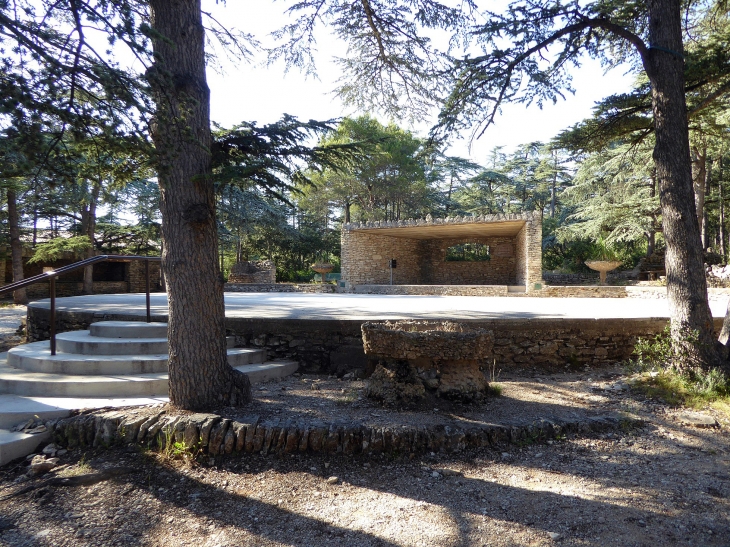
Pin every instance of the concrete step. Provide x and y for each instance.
(15, 444)
(136, 329)
(36, 357)
(83, 342)
(17, 409)
(21, 382)
(128, 329)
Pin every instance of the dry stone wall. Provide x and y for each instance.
(335, 346)
(280, 287)
(262, 271)
(499, 270)
(436, 290)
(365, 259)
(217, 436)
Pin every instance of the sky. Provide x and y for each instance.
(251, 91)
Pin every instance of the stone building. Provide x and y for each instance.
(489, 250)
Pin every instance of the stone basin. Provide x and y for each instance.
(408, 359)
(603, 267)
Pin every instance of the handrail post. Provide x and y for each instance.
(147, 286)
(52, 289)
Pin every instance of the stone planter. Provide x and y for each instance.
(408, 359)
(603, 267)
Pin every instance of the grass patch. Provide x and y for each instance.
(659, 379)
(348, 396)
(495, 390)
(82, 467)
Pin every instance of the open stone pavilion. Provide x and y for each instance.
(495, 253)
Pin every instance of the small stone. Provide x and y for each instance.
(50, 450)
(436, 475)
(43, 533)
(555, 536)
(40, 465)
(697, 419)
(333, 480)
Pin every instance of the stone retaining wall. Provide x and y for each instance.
(41, 290)
(578, 291)
(438, 290)
(280, 287)
(215, 435)
(335, 346)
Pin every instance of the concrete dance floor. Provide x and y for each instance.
(370, 307)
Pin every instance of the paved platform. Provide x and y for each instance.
(373, 307)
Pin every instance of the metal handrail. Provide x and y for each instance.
(63, 270)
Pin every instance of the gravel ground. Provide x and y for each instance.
(663, 484)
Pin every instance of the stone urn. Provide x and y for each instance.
(603, 267)
(322, 268)
(408, 359)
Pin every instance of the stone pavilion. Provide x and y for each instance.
(487, 250)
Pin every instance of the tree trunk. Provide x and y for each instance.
(200, 376)
(651, 236)
(708, 188)
(88, 227)
(722, 212)
(16, 247)
(699, 179)
(686, 284)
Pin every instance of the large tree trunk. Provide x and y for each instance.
(16, 247)
(686, 284)
(200, 376)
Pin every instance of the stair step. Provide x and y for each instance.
(36, 357)
(85, 343)
(128, 329)
(18, 409)
(15, 444)
(82, 342)
(21, 382)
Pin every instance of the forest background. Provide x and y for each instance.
(280, 198)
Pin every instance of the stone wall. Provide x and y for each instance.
(215, 435)
(41, 290)
(280, 287)
(335, 346)
(135, 273)
(498, 270)
(365, 258)
(261, 271)
(437, 290)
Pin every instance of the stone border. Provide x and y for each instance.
(528, 216)
(155, 427)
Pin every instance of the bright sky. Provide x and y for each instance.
(253, 92)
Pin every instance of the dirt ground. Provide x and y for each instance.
(662, 484)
